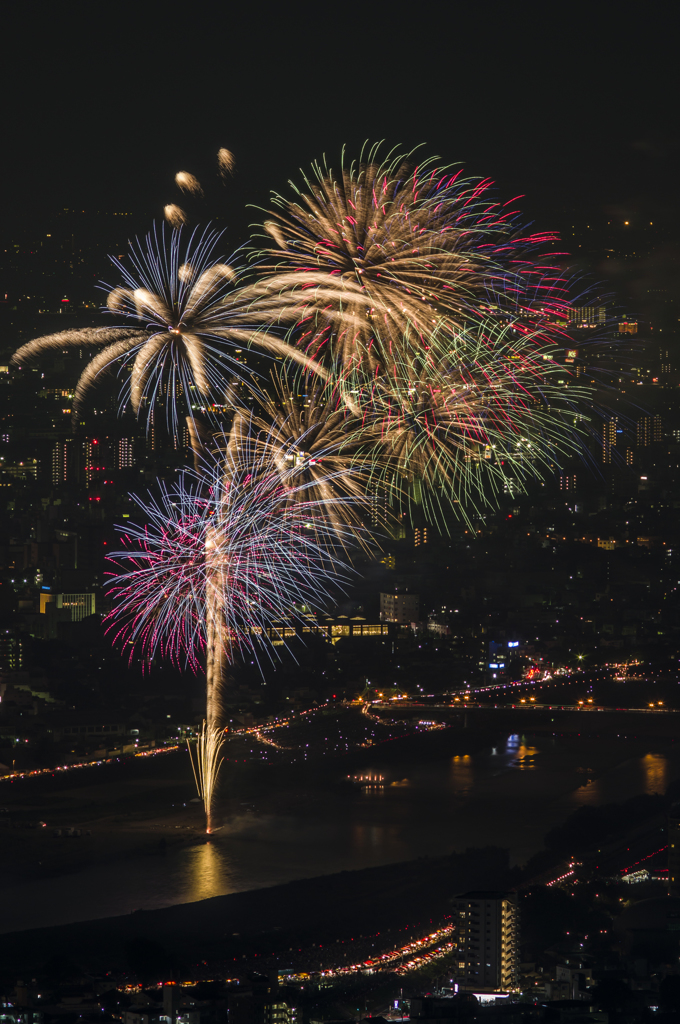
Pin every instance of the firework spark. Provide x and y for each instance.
(175, 215)
(225, 162)
(206, 766)
(188, 317)
(188, 183)
(225, 561)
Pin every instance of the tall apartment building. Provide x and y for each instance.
(648, 430)
(488, 941)
(608, 439)
(588, 316)
(378, 508)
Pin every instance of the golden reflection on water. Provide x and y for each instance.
(462, 773)
(655, 767)
(525, 759)
(206, 872)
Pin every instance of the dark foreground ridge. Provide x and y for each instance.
(223, 929)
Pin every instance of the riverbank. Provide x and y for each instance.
(225, 929)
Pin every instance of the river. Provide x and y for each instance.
(509, 795)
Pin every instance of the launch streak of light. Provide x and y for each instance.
(224, 561)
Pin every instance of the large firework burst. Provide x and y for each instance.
(188, 319)
(443, 331)
(407, 247)
(227, 561)
(497, 413)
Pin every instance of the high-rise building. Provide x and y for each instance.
(488, 941)
(125, 457)
(587, 316)
(567, 481)
(11, 651)
(608, 438)
(378, 508)
(420, 536)
(60, 472)
(648, 430)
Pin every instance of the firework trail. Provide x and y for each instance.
(224, 562)
(188, 317)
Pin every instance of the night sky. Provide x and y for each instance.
(573, 105)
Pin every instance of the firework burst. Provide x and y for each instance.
(422, 245)
(188, 318)
(227, 559)
(438, 315)
(497, 413)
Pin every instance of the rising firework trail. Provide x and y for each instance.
(226, 560)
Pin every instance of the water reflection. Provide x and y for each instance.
(207, 872)
(462, 773)
(655, 767)
(648, 774)
(525, 759)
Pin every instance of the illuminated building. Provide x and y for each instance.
(77, 606)
(629, 456)
(399, 608)
(60, 463)
(11, 651)
(378, 508)
(567, 481)
(420, 536)
(648, 430)
(608, 439)
(488, 941)
(587, 316)
(125, 453)
(628, 327)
